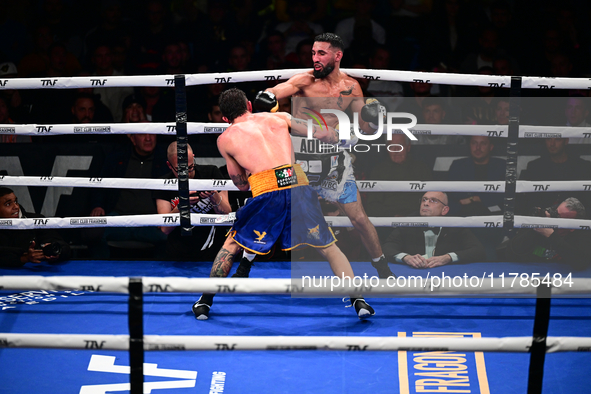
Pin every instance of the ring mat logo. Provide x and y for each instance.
(186, 379)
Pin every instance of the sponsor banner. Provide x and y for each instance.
(405, 186)
(241, 76)
(526, 131)
(545, 83)
(87, 82)
(432, 369)
(537, 222)
(423, 221)
(552, 186)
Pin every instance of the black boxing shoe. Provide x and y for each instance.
(243, 269)
(201, 310)
(362, 308)
(382, 267)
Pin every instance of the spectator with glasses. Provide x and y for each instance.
(205, 241)
(433, 247)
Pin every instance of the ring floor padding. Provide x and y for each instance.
(55, 371)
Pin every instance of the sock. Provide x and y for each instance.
(378, 259)
(249, 256)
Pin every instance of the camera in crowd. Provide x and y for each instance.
(541, 212)
(53, 249)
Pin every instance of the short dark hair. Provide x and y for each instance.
(334, 40)
(429, 101)
(84, 95)
(4, 191)
(213, 102)
(233, 103)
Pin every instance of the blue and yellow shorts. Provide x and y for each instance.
(284, 209)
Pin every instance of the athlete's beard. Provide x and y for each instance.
(325, 72)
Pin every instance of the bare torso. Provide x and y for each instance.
(257, 142)
(339, 92)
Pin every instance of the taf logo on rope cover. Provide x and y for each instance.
(156, 288)
(226, 289)
(89, 344)
(225, 346)
(368, 185)
(223, 80)
(357, 347)
(171, 219)
(44, 129)
(293, 288)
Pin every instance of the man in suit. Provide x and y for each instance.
(480, 166)
(433, 247)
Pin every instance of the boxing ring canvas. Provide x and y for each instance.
(93, 370)
(90, 311)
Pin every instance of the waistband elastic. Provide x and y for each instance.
(271, 180)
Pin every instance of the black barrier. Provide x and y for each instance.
(511, 166)
(538, 348)
(180, 92)
(136, 335)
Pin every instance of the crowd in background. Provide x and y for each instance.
(61, 38)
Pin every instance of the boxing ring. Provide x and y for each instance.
(77, 330)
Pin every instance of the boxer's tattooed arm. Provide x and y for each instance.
(239, 180)
(344, 93)
(222, 264)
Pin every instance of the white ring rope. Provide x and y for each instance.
(225, 184)
(219, 342)
(272, 75)
(409, 286)
(525, 131)
(172, 219)
(364, 186)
